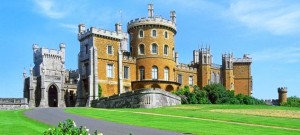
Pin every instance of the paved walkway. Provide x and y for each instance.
(54, 115)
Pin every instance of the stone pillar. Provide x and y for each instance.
(282, 95)
(120, 71)
(31, 91)
(95, 53)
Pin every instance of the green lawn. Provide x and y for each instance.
(263, 122)
(13, 122)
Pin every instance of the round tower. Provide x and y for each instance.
(152, 44)
(282, 95)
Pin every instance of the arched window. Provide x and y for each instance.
(154, 72)
(154, 34)
(166, 74)
(142, 73)
(154, 48)
(212, 77)
(166, 49)
(141, 34)
(218, 78)
(205, 59)
(166, 34)
(228, 64)
(142, 49)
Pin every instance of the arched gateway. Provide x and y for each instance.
(52, 96)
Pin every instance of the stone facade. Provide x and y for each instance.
(118, 64)
(47, 84)
(13, 103)
(142, 98)
(282, 95)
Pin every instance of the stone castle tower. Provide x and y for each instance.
(282, 95)
(47, 84)
(108, 59)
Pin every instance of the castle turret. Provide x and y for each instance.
(227, 69)
(152, 43)
(81, 28)
(173, 16)
(282, 95)
(204, 66)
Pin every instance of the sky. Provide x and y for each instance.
(268, 30)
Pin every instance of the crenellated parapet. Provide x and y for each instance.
(245, 59)
(157, 20)
(186, 67)
(129, 59)
(100, 32)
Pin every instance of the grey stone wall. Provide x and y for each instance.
(13, 103)
(143, 98)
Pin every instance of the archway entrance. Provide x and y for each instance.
(52, 96)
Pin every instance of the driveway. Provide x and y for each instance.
(54, 115)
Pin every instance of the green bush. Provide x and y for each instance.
(99, 91)
(292, 102)
(68, 128)
(214, 94)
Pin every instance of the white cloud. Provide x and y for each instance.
(286, 55)
(275, 16)
(50, 9)
(70, 27)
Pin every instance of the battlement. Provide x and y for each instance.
(129, 58)
(101, 32)
(282, 89)
(245, 59)
(157, 20)
(186, 67)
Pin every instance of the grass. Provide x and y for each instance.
(13, 122)
(207, 120)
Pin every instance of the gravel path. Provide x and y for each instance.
(54, 115)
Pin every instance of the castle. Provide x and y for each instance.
(49, 83)
(145, 57)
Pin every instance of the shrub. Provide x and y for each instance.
(292, 102)
(99, 91)
(214, 94)
(68, 128)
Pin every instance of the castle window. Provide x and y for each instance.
(109, 69)
(166, 50)
(212, 77)
(109, 49)
(141, 34)
(173, 52)
(86, 49)
(154, 48)
(166, 74)
(154, 72)
(191, 80)
(228, 64)
(205, 60)
(142, 49)
(154, 34)
(142, 73)
(218, 78)
(179, 78)
(126, 72)
(166, 34)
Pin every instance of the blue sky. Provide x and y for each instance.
(268, 30)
